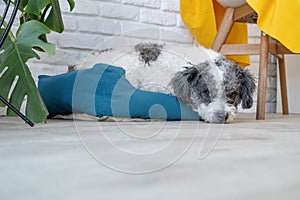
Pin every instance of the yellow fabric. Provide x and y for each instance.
(280, 19)
(203, 17)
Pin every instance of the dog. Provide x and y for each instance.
(213, 87)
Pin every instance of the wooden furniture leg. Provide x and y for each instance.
(283, 86)
(262, 77)
(224, 29)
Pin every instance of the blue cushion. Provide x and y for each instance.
(104, 91)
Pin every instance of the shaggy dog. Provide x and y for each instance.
(213, 87)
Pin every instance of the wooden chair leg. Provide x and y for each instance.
(262, 77)
(283, 87)
(223, 30)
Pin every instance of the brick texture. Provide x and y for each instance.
(170, 5)
(117, 11)
(99, 24)
(143, 3)
(158, 17)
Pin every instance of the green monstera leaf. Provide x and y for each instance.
(46, 11)
(35, 6)
(16, 82)
(54, 20)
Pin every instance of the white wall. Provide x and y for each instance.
(293, 84)
(96, 25)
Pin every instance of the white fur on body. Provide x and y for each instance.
(158, 73)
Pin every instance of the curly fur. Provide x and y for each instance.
(214, 89)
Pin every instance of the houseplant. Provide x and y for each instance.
(38, 18)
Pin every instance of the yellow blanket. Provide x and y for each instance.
(278, 18)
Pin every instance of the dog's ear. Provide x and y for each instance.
(248, 87)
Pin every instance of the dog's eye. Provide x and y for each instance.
(205, 96)
(206, 92)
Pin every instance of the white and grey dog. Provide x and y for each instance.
(213, 88)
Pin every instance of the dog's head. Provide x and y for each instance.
(239, 83)
(214, 89)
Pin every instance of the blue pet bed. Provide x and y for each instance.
(104, 91)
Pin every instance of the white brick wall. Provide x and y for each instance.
(119, 11)
(170, 5)
(158, 17)
(143, 3)
(100, 24)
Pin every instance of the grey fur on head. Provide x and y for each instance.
(214, 89)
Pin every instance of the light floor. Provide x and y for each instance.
(72, 160)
